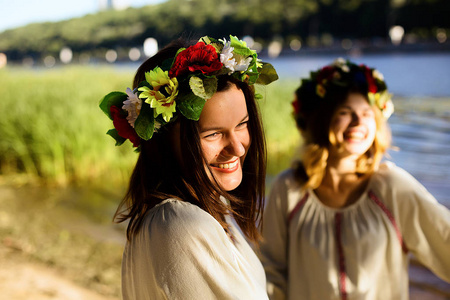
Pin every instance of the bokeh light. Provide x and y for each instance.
(3, 60)
(49, 61)
(441, 35)
(396, 34)
(150, 47)
(111, 55)
(295, 44)
(134, 54)
(66, 55)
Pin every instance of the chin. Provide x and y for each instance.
(229, 184)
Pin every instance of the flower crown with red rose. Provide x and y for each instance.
(342, 73)
(181, 86)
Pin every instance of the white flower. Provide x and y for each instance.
(376, 74)
(226, 57)
(388, 109)
(243, 63)
(133, 106)
(233, 61)
(342, 64)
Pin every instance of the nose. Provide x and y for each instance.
(234, 146)
(356, 119)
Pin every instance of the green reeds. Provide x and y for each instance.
(51, 126)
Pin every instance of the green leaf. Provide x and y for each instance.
(119, 140)
(206, 39)
(203, 88)
(145, 123)
(267, 74)
(178, 52)
(213, 42)
(190, 106)
(240, 48)
(167, 64)
(113, 98)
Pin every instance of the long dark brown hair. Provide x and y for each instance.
(158, 174)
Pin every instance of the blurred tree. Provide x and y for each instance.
(261, 19)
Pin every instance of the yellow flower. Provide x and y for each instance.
(383, 102)
(320, 90)
(163, 93)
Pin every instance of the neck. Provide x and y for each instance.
(341, 185)
(340, 170)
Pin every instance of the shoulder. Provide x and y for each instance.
(172, 218)
(286, 180)
(394, 183)
(285, 192)
(389, 173)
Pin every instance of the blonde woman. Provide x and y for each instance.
(340, 224)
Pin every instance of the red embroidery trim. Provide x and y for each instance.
(297, 207)
(391, 218)
(342, 271)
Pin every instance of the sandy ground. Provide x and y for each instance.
(22, 279)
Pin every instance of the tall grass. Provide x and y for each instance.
(281, 133)
(51, 126)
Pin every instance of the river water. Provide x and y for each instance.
(422, 138)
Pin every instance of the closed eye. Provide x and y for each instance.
(242, 124)
(212, 135)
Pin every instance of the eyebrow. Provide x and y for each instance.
(219, 128)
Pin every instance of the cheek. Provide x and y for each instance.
(246, 140)
(209, 151)
(339, 124)
(372, 128)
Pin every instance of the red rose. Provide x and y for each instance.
(296, 104)
(326, 73)
(372, 87)
(122, 126)
(200, 57)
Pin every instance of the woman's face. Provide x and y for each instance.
(353, 124)
(224, 135)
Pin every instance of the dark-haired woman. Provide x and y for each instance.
(194, 119)
(339, 224)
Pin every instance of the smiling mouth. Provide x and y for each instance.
(354, 135)
(227, 167)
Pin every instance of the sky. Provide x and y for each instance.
(16, 13)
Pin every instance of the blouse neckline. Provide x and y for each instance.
(352, 206)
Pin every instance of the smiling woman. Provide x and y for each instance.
(340, 224)
(224, 136)
(195, 121)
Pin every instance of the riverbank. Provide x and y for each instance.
(59, 243)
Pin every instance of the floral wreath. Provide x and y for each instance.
(181, 86)
(342, 73)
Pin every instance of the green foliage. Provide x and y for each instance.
(145, 123)
(203, 88)
(112, 99)
(190, 105)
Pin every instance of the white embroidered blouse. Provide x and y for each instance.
(312, 251)
(182, 252)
